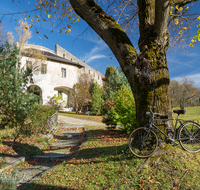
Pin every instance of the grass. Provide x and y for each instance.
(105, 162)
(190, 114)
(82, 116)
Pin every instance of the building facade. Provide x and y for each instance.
(55, 72)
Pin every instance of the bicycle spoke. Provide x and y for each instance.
(189, 137)
(142, 142)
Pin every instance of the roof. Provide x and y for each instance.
(51, 57)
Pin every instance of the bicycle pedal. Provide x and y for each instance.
(172, 142)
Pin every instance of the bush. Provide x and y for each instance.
(123, 112)
(38, 118)
(109, 120)
(57, 103)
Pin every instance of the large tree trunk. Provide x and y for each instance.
(147, 72)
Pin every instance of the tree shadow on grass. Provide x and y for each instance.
(23, 149)
(43, 187)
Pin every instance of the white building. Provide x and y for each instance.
(58, 72)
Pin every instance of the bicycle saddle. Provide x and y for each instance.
(181, 111)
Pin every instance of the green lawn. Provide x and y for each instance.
(191, 113)
(105, 162)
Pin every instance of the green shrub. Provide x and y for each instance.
(123, 112)
(38, 118)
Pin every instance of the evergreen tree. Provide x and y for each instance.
(114, 79)
(97, 99)
(15, 101)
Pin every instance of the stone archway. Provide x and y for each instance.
(37, 91)
(67, 95)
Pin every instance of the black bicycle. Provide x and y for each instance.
(144, 141)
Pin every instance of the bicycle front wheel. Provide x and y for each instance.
(189, 137)
(143, 142)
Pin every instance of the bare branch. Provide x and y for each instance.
(181, 3)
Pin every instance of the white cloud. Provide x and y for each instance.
(194, 77)
(95, 53)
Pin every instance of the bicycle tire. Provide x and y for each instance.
(146, 148)
(189, 137)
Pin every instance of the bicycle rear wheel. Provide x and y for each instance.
(143, 142)
(189, 137)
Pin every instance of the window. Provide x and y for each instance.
(29, 64)
(63, 55)
(89, 71)
(63, 72)
(43, 69)
(93, 74)
(98, 77)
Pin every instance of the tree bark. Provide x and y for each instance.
(147, 72)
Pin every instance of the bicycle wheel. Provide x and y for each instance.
(143, 142)
(189, 137)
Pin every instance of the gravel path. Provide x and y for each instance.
(79, 122)
(29, 173)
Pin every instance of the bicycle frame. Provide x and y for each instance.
(151, 125)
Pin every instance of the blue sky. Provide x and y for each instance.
(93, 51)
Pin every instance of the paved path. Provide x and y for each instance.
(62, 148)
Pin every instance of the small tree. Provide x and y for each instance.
(15, 101)
(82, 89)
(97, 99)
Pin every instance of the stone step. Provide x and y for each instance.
(68, 134)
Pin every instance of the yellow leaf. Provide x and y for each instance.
(198, 17)
(29, 16)
(176, 21)
(37, 16)
(191, 45)
(199, 39)
(40, 37)
(177, 7)
(180, 9)
(180, 32)
(68, 26)
(99, 38)
(32, 19)
(49, 16)
(187, 8)
(193, 41)
(46, 11)
(69, 31)
(53, 25)
(25, 18)
(184, 28)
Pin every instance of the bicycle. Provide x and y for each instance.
(144, 141)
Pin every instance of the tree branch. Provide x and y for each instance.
(109, 30)
(161, 17)
(181, 3)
